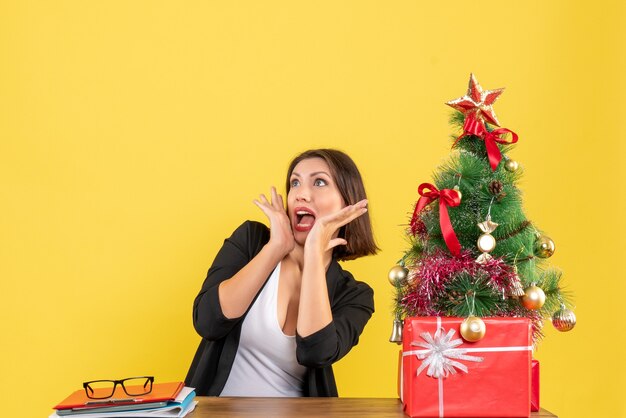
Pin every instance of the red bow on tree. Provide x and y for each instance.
(447, 197)
(475, 126)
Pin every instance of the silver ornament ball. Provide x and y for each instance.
(398, 275)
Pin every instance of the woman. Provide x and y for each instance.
(276, 310)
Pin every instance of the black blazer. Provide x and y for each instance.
(352, 305)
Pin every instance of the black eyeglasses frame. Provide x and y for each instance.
(149, 381)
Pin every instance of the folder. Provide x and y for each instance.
(161, 392)
(179, 408)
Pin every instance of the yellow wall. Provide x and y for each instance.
(134, 136)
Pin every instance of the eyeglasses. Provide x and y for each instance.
(132, 386)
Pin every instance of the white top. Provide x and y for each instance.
(265, 363)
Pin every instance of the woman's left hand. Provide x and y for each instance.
(321, 239)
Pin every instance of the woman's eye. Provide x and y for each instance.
(320, 182)
(295, 183)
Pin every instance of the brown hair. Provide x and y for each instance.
(346, 175)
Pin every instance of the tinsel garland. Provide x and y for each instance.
(433, 272)
(535, 316)
(418, 229)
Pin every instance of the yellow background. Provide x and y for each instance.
(135, 134)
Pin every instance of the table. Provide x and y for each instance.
(213, 407)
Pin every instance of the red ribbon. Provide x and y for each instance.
(475, 126)
(447, 197)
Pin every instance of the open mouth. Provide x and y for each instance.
(305, 218)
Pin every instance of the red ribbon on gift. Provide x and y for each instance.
(447, 197)
(475, 126)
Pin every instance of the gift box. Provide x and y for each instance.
(534, 386)
(399, 387)
(446, 376)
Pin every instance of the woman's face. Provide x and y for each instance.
(313, 194)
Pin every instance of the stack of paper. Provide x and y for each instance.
(167, 400)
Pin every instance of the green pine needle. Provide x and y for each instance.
(467, 295)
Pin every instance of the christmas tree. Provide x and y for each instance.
(472, 251)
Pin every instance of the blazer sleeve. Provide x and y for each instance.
(237, 251)
(335, 340)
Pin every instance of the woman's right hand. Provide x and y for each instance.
(237, 292)
(281, 235)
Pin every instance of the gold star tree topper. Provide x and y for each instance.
(478, 103)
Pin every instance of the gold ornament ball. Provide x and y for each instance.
(473, 329)
(511, 165)
(533, 298)
(458, 190)
(544, 246)
(564, 319)
(398, 275)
